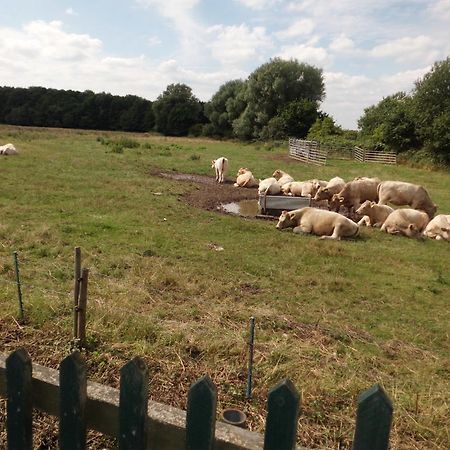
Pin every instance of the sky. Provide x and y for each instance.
(367, 49)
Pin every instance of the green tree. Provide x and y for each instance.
(270, 88)
(390, 124)
(432, 109)
(225, 106)
(176, 110)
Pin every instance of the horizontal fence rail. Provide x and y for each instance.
(140, 424)
(309, 152)
(363, 155)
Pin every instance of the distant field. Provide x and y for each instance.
(335, 317)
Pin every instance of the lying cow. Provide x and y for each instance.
(8, 149)
(438, 228)
(400, 193)
(245, 178)
(327, 224)
(269, 186)
(306, 188)
(358, 191)
(373, 214)
(282, 177)
(220, 165)
(406, 222)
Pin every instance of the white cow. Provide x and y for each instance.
(334, 186)
(245, 178)
(373, 214)
(269, 186)
(8, 149)
(220, 165)
(327, 224)
(400, 193)
(406, 222)
(439, 228)
(282, 177)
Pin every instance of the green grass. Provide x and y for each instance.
(335, 317)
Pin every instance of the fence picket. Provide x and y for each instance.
(281, 423)
(201, 415)
(133, 405)
(73, 394)
(19, 401)
(373, 420)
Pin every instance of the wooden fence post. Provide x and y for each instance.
(281, 423)
(82, 306)
(19, 423)
(201, 415)
(76, 291)
(373, 420)
(73, 395)
(133, 405)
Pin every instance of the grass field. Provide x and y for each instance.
(335, 317)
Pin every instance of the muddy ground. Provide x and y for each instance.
(216, 194)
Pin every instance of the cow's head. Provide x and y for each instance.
(278, 174)
(322, 193)
(285, 220)
(431, 211)
(241, 171)
(365, 208)
(412, 231)
(213, 163)
(286, 188)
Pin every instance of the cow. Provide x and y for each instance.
(326, 224)
(334, 186)
(302, 188)
(245, 178)
(358, 191)
(400, 193)
(373, 214)
(282, 177)
(220, 165)
(8, 149)
(438, 228)
(407, 222)
(269, 186)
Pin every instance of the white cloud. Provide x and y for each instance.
(440, 9)
(258, 4)
(298, 28)
(305, 53)
(408, 49)
(237, 44)
(153, 41)
(71, 12)
(342, 43)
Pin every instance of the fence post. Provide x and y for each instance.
(82, 306)
(373, 420)
(281, 423)
(19, 423)
(73, 394)
(201, 415)
(133, 405)
(19, 287)
(251, 339)
(76, 291)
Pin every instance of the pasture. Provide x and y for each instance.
(334, 317)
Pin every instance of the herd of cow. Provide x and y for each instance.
(363, 196)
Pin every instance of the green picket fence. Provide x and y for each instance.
(373, 419)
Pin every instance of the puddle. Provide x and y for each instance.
(246, 208)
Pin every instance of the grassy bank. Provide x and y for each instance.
(335, 317)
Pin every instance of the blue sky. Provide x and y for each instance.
(368, 49)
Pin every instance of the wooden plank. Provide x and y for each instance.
(19, 404)
(76, 290)
(281, 424)
(201, 415)
(73, 394)
(373, 420)
(133, 405)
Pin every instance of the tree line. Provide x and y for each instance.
(279, 99)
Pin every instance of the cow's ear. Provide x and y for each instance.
(284, 212)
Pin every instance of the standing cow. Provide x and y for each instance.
(220, 165)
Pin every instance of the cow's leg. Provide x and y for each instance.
(336, 234)
(217, 173)
(303, 229)
(365, 221)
